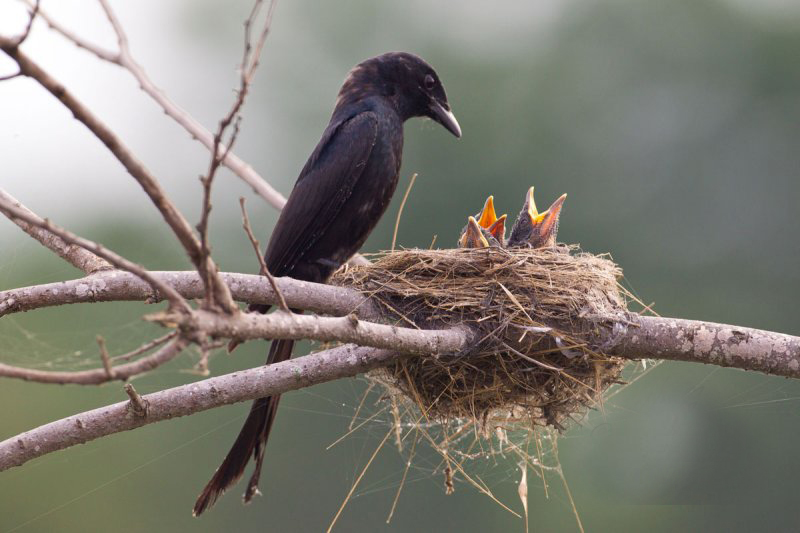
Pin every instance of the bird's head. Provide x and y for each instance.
(535, 229)
(484, 229)
(408, 82)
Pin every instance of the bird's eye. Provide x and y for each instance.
(429, 82)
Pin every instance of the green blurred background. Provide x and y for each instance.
(673, 125)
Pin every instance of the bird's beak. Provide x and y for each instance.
(498, 229)
(545, 224)
(473, 236)
(445, 117)
(487, 216)
(488, 220)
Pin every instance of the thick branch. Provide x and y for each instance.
(640, 337)
(281, 325)
(636, 338)
(115, 285)
(75, 255)
(344, 361)
(676, 339)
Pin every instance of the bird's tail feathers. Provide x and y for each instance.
(251, 441)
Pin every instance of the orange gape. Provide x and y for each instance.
(531, 229)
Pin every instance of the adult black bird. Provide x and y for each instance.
(343, 189)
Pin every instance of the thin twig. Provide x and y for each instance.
(220, 151)
(400, 211)
(358, 480)
(97, 376)
(146, 347)
(21, 38)
(262, 263)
(138, 405)
(7, 77)
(104, 357)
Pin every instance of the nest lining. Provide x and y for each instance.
(532, 310)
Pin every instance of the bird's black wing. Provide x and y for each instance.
(324, 185)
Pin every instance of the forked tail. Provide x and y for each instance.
(252, 440)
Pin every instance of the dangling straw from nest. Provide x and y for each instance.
(532, 312)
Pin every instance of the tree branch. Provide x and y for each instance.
(97, 376)
(78, 257)
(176, 221)
(651, 337)
(14, 212)
(202, 325)
(637, 337)
(340, 362)
(115, 285)
(260, 257)
(124, 59)
(218, 296)
(281, 325)
(675, 339)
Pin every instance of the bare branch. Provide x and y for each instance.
(279, 325)
(138, 405)
(146, 347)
(78, 41)
(7, 77)
(97, 376)
(248, 68)
(21, 38)
(636, 337)
(105, 358)
(115, 285)
(78, 257)
(261, 261)
(13, 212)
(132, 164)
(657, 337)
(122, 39)
(675, 339)
(124, 59)
(344, 361)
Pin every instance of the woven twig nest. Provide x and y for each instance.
(533, 311)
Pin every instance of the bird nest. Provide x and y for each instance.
(533, 313)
